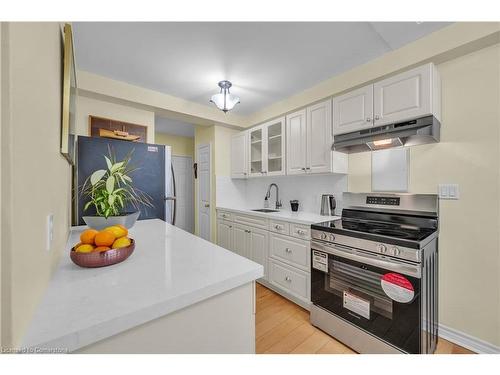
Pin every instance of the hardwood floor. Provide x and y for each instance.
(283, 327)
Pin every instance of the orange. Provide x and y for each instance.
(88, 236)
(85, 248)
(118, 231)
(104, 238)
(101, 248)
(121, 242)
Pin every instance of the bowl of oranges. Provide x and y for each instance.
(102, 248)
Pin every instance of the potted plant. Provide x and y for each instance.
(110, 192)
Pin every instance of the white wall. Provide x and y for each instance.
(307, 189)
(86, 106)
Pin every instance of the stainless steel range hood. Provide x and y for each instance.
(408, 133)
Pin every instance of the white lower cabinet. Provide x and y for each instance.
(224, 234)
(258, 247)
(283, 248)
(291, 279)
(290, 250)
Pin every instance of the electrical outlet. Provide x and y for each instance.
(449, 191)
(50, 232)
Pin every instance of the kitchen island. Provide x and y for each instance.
(177, 293)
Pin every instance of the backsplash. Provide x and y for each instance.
(307, 189)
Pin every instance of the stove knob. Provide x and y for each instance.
(382, 249)
(331, 237)
(395, 251)
(323, 236)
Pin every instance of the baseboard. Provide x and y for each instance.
(467, 341)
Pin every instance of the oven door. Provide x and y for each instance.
(378, 294)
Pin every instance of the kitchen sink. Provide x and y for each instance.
(267, 210)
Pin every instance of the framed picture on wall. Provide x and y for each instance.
(68, 133)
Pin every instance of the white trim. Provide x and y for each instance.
(212, 204)
(467, 341)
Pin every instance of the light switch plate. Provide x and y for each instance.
(449, 191)
(50, 232)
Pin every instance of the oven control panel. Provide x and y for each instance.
(384, 201)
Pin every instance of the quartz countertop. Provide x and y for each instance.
(170, 269)
(298, 217)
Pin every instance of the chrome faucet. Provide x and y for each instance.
(268, 195)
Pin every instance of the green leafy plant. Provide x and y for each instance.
(111, 190)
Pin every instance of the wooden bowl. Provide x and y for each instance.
(103, 258)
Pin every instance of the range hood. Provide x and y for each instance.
(408, 133)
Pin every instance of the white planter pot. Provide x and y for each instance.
(100, 222)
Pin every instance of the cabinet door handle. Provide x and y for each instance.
(288, 279)
(368, 119)
(230, 226)
(308, 168)
(288, 250)
(278, 227)
(303, 169)
(377, 117)
(300, 231)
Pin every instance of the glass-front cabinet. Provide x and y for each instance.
(267, 149)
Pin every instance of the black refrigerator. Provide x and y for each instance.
(153, 174)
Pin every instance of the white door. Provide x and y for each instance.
(183, 174)
(319, 138)
(239, 157)
(353, 111)
(240, 240)
(274, 132)
(258, 247)
(203, 156)
(404, 96)
(224, 235)
(296, 142)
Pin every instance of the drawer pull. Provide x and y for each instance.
(278, 227)
(288, 250)
(300, 231)
(288, 279)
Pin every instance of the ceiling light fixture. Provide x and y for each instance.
(224, 100)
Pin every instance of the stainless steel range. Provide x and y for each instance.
(374, 273)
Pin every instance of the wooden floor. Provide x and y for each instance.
(283, 327)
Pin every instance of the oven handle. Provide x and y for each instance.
(348, 253)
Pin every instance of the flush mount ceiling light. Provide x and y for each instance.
(224, 100)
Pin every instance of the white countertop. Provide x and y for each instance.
(170, 269)
(298, 217)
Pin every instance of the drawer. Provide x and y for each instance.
(225, 215)
(254, 221)
(300, 231)
(290, 279)
(279, 226)
(290, 250)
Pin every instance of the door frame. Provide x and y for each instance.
(197, 203)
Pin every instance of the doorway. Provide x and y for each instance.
(203, 153)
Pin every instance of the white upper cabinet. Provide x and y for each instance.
(274, 132)
(319, 138)
(267, 149)
(353, 111)
(309, 141)
(407, 96)
(239, 155)
(296, 142)
(256, 151)
(403, 97)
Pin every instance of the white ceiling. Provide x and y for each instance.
(265, 61)
(174, 127)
